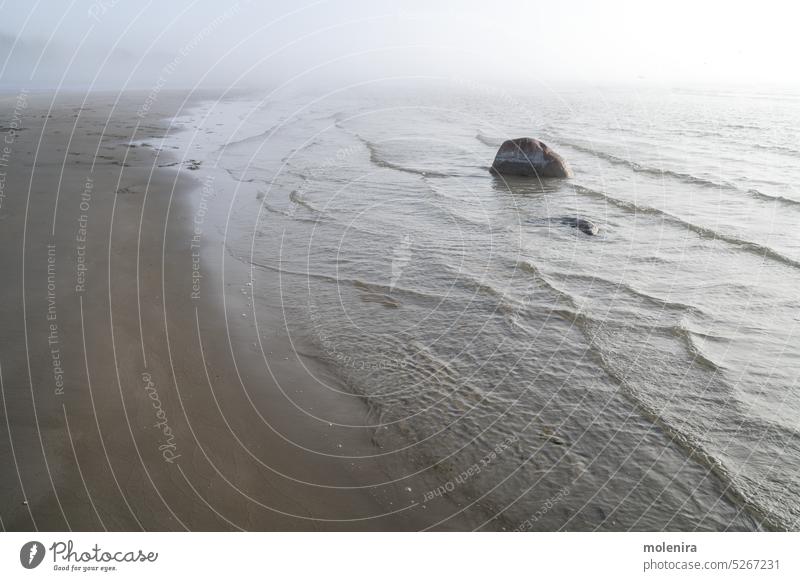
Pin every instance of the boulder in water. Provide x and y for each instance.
(586, 226)
(526, 156)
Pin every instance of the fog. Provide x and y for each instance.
(138, 44)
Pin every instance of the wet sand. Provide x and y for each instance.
(135, 394)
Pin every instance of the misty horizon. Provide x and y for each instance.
(108, 44)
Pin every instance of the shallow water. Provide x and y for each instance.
(643, 378)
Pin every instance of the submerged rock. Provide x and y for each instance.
(586, 226)
(549, 436)
(526, 156)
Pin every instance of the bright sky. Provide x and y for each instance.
(114, 42)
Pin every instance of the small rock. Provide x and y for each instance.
(586, 226)
(549, 436)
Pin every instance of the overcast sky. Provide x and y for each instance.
(136, 43)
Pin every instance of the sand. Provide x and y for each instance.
(135, 395)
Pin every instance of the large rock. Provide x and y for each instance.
(526, 156)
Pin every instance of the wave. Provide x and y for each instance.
(296, 198)
(320, 216)
(325, 215)
(287, 213)
(560, 294)
(481, 285)
(743, 126)
(450, 212)
(578, 315)
(638, 167)
(372, 287)
(735, 488)
(432, 366)
(772, 198)
(726, 137)
(687, 337)
(704, 232)
(733, 141)
(490, 141)
(274, 209)
(236, 177)
(376, 158)
(259, 137)
(439, 192)
(781, 149)
(694, 447)
(582, 318)
(684, 177)
(625, 287)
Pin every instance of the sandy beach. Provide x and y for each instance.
(136, 392)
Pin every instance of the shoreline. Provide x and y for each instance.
(161, 421)
(163, 383)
